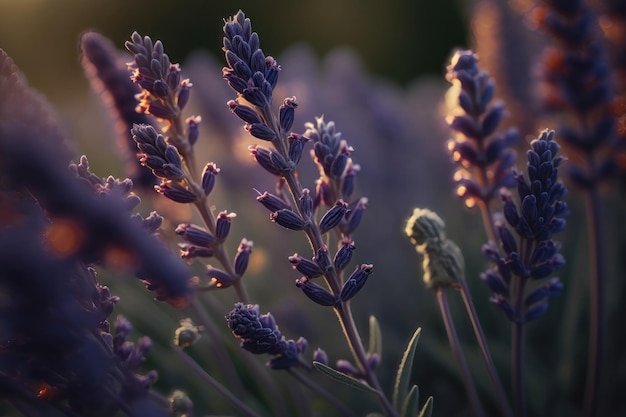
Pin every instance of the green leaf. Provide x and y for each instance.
(410, 406)
(376, 338)
(401, 386)
(427, 409)
(343, 378)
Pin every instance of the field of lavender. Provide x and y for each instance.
(319, 230)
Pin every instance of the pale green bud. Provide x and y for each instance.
(424, 225)
(187, 334)
(443, 264)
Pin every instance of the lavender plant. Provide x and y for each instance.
(62, 230)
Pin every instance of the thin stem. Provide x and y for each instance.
(596, 294)
(457, 350)
(518, 343)
(221, 356)
(505, 406)
(313, 386)
(344, 313)
(232, 399)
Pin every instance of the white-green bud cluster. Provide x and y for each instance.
(443, 261)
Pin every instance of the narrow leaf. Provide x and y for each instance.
(376, 338)
(404, 371)
(410, 407)
(427, 410)
(343, 378)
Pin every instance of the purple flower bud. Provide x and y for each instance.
(346, 367)
(305, 202)
(286, 114)
(263, 157)
(333, 216)
(260, 131)
(288, 219)
(208, 177)
(193, 132)
(323, 259)
(222, 225)
(173, 77)
(302, 344)
(305, 266)
(354, 216)
(495, 282)
(242, 257)
(355, 282)
(373, 360)
(219, 278)
(183, 94)
(347, 187)
(296, 147)
(160, 89)
(535, 312)
(338, 167)
(316, 293)
(159, 111)
(506, 237)
(465, 125)
(176, 193)
(188, 251)
(323, 193)
(281, 163)
(492, 119)
(195, 235)
(320, 356)
(504, 305)
(343, 255)
(245, 113)
(272, 202)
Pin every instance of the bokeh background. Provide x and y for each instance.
(377, 69)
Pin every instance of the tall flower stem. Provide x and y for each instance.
(457, 350)
(596, 294)
(502, 399)
(227, 394)
(518, 341)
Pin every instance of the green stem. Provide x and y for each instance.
(457, 350)
(344, 314)
(227, 394)
(503, 401)
(596, 295)
(518, 352)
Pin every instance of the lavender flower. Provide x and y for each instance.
(483, 155)
(259, 334)
(575, 77)
(533, 254)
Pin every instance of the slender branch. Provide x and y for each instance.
(457, 350)
(503, 401)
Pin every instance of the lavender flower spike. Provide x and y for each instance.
(483, 156)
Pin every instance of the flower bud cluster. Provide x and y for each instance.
(483, 156)
(575, 72)
(164, 93)
(443, 261)
(540, 214)
(259, 334)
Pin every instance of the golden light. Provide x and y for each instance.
(461, 191)
(64, 237)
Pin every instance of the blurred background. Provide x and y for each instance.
(377, 69)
